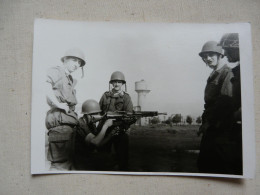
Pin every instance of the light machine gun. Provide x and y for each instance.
(123, 119)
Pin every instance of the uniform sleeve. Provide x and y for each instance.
(221, 110)
(128, 104)
(53, 77)
(226, 88)
(101, 103)
(83, 129)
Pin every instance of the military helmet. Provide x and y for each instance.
(90, 107)
(211, 46)
(229, 40)
(117, 76)
(75, 52)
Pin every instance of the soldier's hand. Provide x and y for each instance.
(109, 122)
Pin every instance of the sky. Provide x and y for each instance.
(164, 55)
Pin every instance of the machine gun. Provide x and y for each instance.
(123, 119)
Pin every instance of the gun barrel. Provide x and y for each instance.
(121, 114)
(162, 113)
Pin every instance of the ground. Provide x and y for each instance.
(161, 148)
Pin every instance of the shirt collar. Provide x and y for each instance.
(66, 71)
(113, 93)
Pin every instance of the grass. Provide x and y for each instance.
(161, 148)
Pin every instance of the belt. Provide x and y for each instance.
(62, 128)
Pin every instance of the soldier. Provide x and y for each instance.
(61, 119)
(217, 113)
(89, 137)
(118, 100)
(230, 43)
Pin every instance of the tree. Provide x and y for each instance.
(168, 121)
(176, 119)
(198, 120)
(189, 119)
(155, 120)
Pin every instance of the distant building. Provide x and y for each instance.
(141, 89)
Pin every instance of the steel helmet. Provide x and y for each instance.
(117, 76)
(229, 40)
(90, 107)
(211, 46)
(75, 52)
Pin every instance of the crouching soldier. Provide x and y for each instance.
(61, 119)
(90, 137)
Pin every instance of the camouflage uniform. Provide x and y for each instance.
(215, 148)
(118, 102)
(60, 124)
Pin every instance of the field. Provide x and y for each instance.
(161, 148)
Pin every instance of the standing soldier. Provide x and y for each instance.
(118, 100)
(217, 113)
(230, 43)
(61, 119)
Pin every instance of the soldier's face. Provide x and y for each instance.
(117, 85)
(92, 117)
(211, 59)
(72, 63)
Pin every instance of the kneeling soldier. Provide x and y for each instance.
(90, 137)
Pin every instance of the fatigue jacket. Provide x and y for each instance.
(236, 87)
(63, 88)
(120, 102)
(83, 130)
(218, 93)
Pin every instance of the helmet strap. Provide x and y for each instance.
(82, 72)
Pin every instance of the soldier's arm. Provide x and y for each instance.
(226, 88)
(128, 107)
(101, 104)
(53, 78)
(99, 139)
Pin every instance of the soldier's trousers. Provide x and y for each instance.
(221, 152)
(121, 144)
(61, 147)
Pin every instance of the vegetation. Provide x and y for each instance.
(189, 119)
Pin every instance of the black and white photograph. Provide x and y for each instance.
(142, 99)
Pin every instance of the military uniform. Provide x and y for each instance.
(60, 124)
(237, 167)
(87, 156)
(216, 147)
(118, 102)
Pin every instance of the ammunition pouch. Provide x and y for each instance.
(61, 144)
